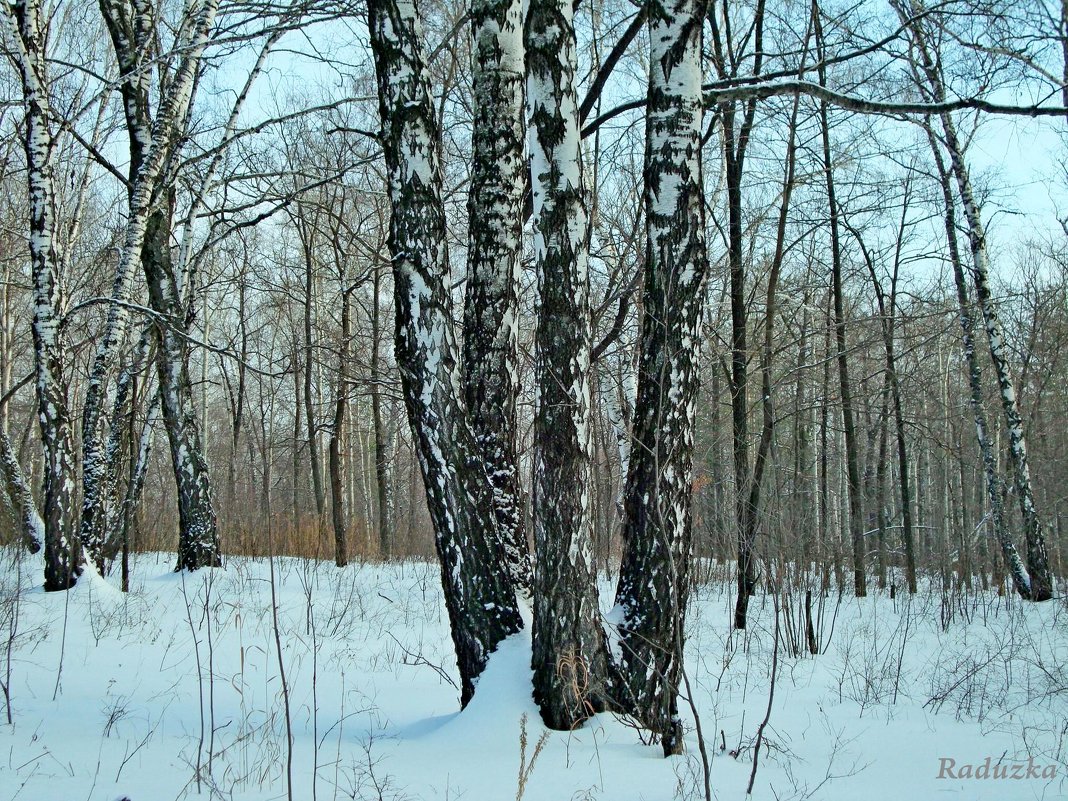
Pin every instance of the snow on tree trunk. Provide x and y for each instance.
(153, 144)
(495, 224)
(480, 598)
(125, 400)
(1041, 588)
(18, 496)
(62, 554)
(653, 585)
(928, 76)
(570, 656)
(1021, 581)
(198, 536)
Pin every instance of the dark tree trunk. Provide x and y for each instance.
(570, 656)
(856, 511)
(337, 438)
(480, 598)
(654, 578)
(495, 224)
(736, 130)
(311, 422)
(888, 318)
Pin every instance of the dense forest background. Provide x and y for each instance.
(279, 244)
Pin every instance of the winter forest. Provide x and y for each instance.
(558, 399)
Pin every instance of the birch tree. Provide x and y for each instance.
(155, 139)
(26, 25)
(570, 656)
(654, 577)
(480, 599)
(929, 78)
(495, 225)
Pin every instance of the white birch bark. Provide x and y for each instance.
(480, 598)
(653, 585)
(570, 656)
(15, 492)
(495, 225)
(154, 142)
(26, 28)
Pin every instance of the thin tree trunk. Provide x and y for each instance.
(736, 130)
(337, 437)
(382, 450)
(888, 318)
(308, 390)
(855, 491)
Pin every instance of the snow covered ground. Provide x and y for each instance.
(136, 696)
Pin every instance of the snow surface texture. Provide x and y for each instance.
(368, 668)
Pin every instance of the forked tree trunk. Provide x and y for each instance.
(654, 577)
(927, 74)
(1041, 586)
(570, 655)
(495, 224)
(887, 305)
(480, 598)
(153, 142)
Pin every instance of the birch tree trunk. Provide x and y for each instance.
(928, 76)
(570, 656)
(16, 493)
(1041, 586)
(654, 578)
(198, 535)
(495, 224)
(1021, 580)
(480, 598)
(153, 143)
(26, 22)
